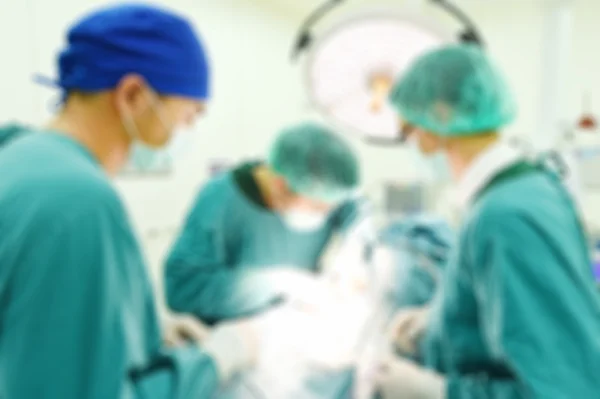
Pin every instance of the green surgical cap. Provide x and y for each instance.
(315, 162)
(454, 91)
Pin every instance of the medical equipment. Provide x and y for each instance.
(353, 95)
(581, 142)
(595, 256)
(596, 263)
(587, 121)
(405, 198)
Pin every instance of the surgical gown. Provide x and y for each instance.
(77, 316)
(10, 132)
(218, 266)
(519, 314)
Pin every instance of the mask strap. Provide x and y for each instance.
(130, 126)
(156, 107)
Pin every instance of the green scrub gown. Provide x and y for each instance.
(519, 314)
(10, 132)
(77, 316)
(230, 242)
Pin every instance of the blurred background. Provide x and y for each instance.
(548, 50)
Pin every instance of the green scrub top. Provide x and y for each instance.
(229, 244)
(230, 241)
(77, 315)
(518, 315)
(9, 133)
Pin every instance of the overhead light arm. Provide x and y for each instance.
(470, 34)
(304, 37)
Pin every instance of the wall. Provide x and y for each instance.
(16, 41)
(584, 77)
(585, 70)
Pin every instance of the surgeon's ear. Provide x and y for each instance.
(131, 94)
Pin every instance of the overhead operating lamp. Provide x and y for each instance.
(351, 69)
(304, 39)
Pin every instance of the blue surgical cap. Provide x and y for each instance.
(157, 44)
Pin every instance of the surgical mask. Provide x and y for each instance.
(434, 167)
(180, 143)
(440, 167)
(303, 220)
(145, 156)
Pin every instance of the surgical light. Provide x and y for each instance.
(351, 69)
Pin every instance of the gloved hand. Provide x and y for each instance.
(397, 378)
(234, 346)
(182, 328)
(407, 328)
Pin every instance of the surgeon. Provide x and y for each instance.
(77, 316)
(256, 234)
(518, 315)
(255, 237)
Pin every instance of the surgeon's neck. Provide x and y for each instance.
(92, 122)
(463, 151)
(265, 181)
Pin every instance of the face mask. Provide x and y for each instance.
(304, 221)
(440, 167)
(181, 142)
(433, 167)
(143, 156)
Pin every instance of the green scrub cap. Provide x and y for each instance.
(315, 162)
(454, 91)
